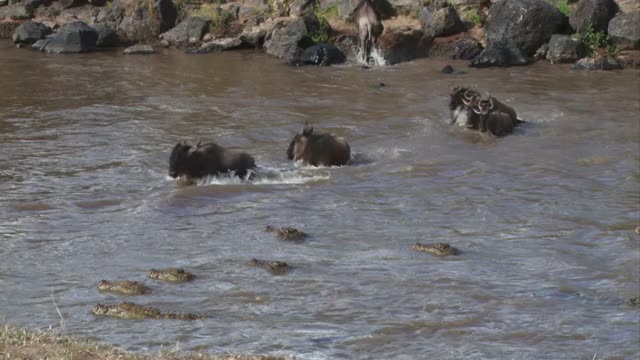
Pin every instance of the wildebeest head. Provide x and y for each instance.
(180, 158)
(484, 105)
(300, 143)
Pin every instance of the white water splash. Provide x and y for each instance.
(376, 56)
(268, 176)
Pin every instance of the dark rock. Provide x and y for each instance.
(624, 30)
(440, 22)
(16, 12)
(399, 45)
(168, 14)
(500, 53)
(527, 24)
(448, 69)
(321, 55)
(597, 63)
(30, 32)
(217, 45)
(563, 49)
(66, 4)
(107, 36)
(466, 49)
(75, 37)
(189, 31)
(139, 49)
(288, 39)
(97, 2)
(594, 13)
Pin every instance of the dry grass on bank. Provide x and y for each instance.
(20, 344)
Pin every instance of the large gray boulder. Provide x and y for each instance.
(146, 23)
(189, 31)
(30, 32)
(442, 21)
(288, 39)
(139, 49)
(75, 37)
(624, 30)
(527, 24)
(563, 49)
(594, 13)
(403, 44)
(217, 45)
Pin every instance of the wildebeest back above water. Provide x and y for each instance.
(199, 160)
(319, 148)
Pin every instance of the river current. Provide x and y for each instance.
(544, 218)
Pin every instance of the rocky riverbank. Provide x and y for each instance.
(593, 34)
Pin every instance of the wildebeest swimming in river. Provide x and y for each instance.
(199, 160)
(318, 148)
(470, 110)
(369, 25)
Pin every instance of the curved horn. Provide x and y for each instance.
(467, 96)
(491, 102)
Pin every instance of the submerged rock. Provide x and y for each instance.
(438, 249)
(139, 49)
(171, 275)
(217, 45)
(597, 63)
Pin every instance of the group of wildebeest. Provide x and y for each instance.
(468, 109)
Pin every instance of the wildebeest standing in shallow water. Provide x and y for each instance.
(318, 148)
(199, 160)
(369, 25)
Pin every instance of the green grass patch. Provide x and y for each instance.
(220, 18)
(473, 16)
(596, 42)
(562, 5)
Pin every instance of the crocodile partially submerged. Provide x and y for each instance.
(276, 267)
(171, 275)
(438, 249)
(124, 287)
(131, 311)
(287, 233)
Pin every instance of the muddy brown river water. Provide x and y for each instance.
(544, 218)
